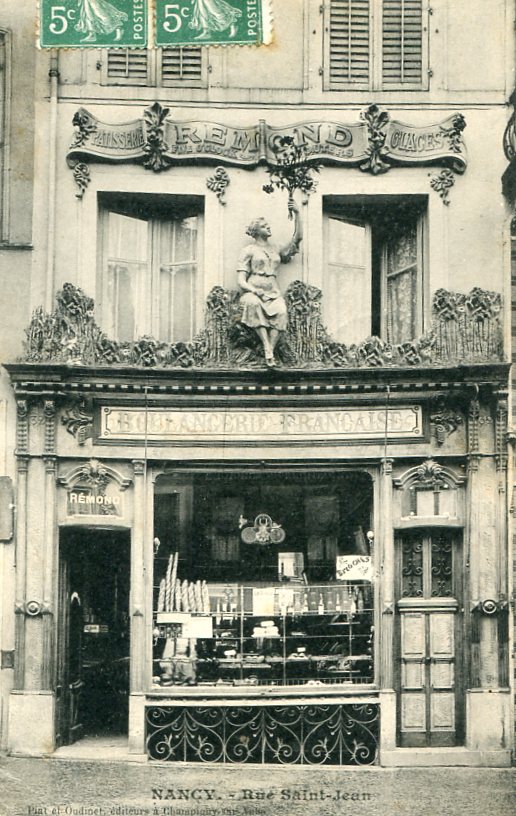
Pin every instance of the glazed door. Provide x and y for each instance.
(429, 621)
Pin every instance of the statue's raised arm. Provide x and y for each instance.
(263, 306)
(292, 248)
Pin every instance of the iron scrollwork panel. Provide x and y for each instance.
(305, 734)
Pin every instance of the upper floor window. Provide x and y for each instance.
(375, 45)
(374, 268)
(166, 67)
(150, 275)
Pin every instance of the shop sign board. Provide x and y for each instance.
(325, 142)
(87, 501)
(193, 426)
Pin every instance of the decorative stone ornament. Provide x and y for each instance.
(375, 144)
(466, 328)
(218, 183)
(78, 422)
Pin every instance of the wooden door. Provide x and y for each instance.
(68, 681)
(429, 620)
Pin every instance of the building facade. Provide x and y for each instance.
(261, 483)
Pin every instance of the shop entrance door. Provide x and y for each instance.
(92, 667)
(429, 639)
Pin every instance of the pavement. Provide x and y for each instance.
(60, 786)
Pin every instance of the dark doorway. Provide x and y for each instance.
(92, 682)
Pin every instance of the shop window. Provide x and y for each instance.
(373, 281)
(263, 581)
(181, 65)
(375, 44)
(150, 272)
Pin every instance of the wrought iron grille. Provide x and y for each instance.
(442, 565)
(288, 734)
(412, 570)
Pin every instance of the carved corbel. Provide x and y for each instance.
(78, 421)
(444, 421)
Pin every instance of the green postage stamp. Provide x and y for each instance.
(124, 23)
(211, 22)
(93, 23)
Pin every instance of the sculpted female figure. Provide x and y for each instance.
(264, 308)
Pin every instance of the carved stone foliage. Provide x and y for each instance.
(218, 183)
(442, 184)
(155, 147)
(376, 120)
(466, 328)
(444, 420)
(85, 124)
(78, 421)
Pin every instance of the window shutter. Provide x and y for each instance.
(182, 65)
(349, 42)
(402, 42)
(127, 66)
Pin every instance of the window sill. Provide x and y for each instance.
(298, 694)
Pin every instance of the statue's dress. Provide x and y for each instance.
(267, 307)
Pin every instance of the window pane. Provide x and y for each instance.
(126, 271)
(347, 287)
(178, 278)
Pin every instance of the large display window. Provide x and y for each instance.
(263, 580)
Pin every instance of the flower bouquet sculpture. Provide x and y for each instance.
(292, 172)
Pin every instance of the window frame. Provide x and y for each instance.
(376, 46)
(149, 323)
(154, 76)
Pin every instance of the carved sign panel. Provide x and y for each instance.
(172, 425)
(374, 143)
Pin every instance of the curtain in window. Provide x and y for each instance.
(402, 279)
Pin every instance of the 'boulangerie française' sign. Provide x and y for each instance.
(277, 425)
(159, 141)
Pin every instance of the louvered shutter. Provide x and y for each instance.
(182, 66)
(402, 42)
(349, 49)
(127, 66)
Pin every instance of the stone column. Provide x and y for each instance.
(488, 721)
(385, 541)
(137, 608)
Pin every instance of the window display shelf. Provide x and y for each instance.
(266, 634)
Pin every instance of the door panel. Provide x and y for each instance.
(413, 712)
(427, 640)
